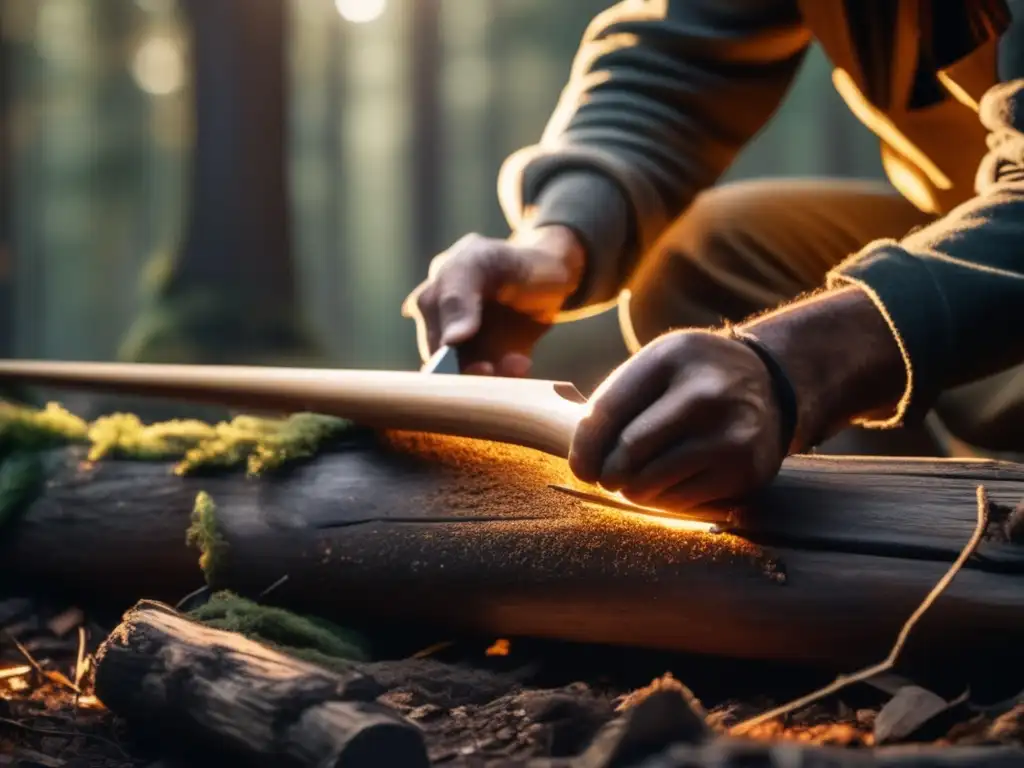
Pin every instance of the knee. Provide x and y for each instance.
(705, 232)
(684, 280)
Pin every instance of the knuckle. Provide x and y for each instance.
(498, 259)
(438, 263)
(741, 437)
(664, 353)
(706, 392)
(467, 242)
(424, 299)
(451, 302)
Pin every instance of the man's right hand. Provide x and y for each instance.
(532, 274)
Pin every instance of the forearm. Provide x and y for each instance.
(841, 356)
(661, 98)
(952, 292)
(903, 321)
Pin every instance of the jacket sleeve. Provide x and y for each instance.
(953, 292)
(662, 96)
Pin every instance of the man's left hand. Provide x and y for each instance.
(689, 420)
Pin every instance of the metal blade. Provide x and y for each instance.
(445, 360)
(719, 518)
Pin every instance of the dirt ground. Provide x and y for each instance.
(495, 703)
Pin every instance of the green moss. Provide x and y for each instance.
(28, 429)
(24, 432)
(204, 533)
(314, 640)
(260, 444)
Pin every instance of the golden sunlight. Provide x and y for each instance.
(666, 519)
(159, 66)
(360, 11)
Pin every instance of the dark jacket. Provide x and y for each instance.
(664, 94)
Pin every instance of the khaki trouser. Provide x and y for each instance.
(745, 247)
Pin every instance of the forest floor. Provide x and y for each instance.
(480, 704)
(491, 702)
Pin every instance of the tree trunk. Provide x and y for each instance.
(231, 293)
(7, 304)
(427, 139)
(469, 536)
(216, 689)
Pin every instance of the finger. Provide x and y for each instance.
(504, 335)
(422, 308)
(673, 467)
(460, 300)
(709, 488)
(621, 398)
(479, 368)
(682, 412)
(514, 366)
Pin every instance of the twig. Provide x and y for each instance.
(80, 658)
(190, 595)
(80, 667)
(430, 650)
(67, 734)
(7, 674)
(890, 661)
(53, 676)
(273, 586)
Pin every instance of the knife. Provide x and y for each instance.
(444, 360)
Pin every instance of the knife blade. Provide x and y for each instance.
(444, 360)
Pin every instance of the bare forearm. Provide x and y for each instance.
(841, 356)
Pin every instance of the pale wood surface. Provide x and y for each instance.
(529, 412)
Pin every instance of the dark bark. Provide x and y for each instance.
(231, 292)
(216, 689)
(7, 308)
(469, 536)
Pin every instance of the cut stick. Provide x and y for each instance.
(532, 413)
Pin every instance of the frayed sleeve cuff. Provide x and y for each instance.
(905, 293)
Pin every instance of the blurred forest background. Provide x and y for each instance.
(265, 180)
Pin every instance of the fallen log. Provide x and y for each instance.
(217, 690)
(470, 535)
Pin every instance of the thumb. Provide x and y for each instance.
(460, 303)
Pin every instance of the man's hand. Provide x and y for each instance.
(691, 419)
(532, 274)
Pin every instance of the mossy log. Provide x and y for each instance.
(215, 689)
(470, 536)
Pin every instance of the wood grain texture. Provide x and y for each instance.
(901, 507)
(466, 534)
(529, 412)
(218, 690)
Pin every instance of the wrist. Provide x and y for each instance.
(841, 357)
(562, 245)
